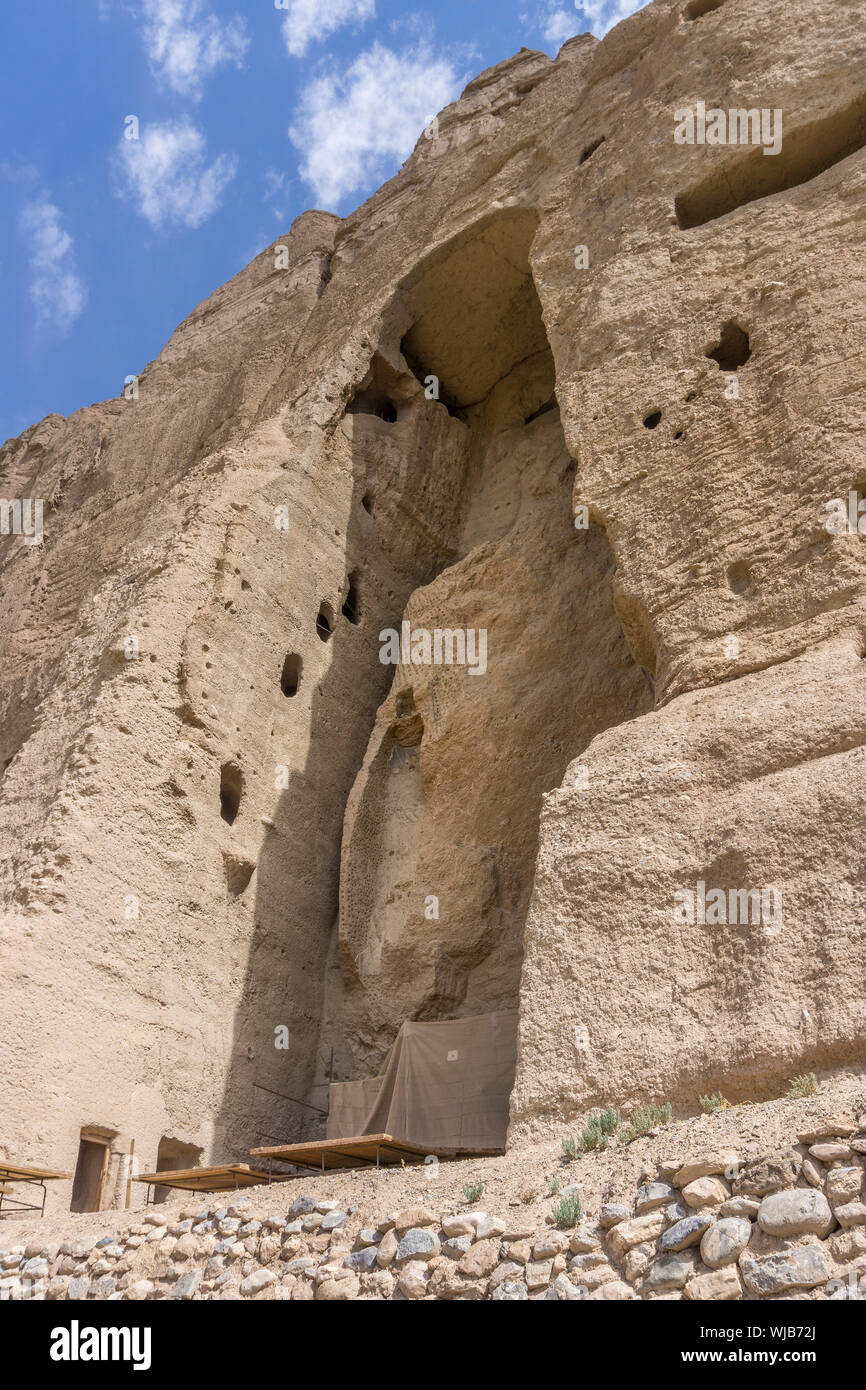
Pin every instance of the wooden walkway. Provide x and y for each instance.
(363, 1151)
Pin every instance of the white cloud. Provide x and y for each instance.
(310, 21)
(166, 174)
(185, 46)
(57, 291)
(277, 192)
(557, 22)
(601, 15)
(559, 25)
(352, 127)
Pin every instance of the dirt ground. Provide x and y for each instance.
(516, 1181)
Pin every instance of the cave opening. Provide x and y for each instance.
(351, 609)
(290, 677)
(732, 350)
(231, 790)
(325, 622)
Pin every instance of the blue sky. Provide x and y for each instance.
(247, 114)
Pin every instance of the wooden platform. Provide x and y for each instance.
(19, 1172)
(11, 1206)
(363, 1151)
(221, 1178)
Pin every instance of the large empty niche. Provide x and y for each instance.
(744, 177)
(475, 308)
(441, 835)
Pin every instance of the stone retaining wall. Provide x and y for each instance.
(705, 1226)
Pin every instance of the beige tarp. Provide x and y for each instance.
(445, 1086)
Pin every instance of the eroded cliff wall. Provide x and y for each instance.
(286, 486)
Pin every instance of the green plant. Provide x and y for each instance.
(569, 1148)
(599, 1128)
(472, 1190)
(567, 1211)
(644, 1118)
(805, 1085)
(553, 1185)
(714, 1104)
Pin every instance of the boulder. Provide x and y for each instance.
(705, 1192)
(799, 1211)
(416, 1243)
(725, 1241)
(684, 1233)
(768, 1175)
(706, 1166)
(805, 1267)
(626, 1234)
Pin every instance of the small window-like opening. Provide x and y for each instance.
(739, 577)
(651, 421)
(231, 789)
(171, 1157)
(405, 702)
(367, 503)
(732, 350)
(698, 8)
(352, 606)
(91, 1168)
(591, 149)
(325, 622)
(291, 675)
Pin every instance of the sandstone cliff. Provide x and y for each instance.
(221, 814)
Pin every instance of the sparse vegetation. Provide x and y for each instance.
(567, 1211)
(600, 1128)
(472, 1191)
(553, 1185)
(569, 1148)
(714, 1104)
(801, 1086)
(645, 1118)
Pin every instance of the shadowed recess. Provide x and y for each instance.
(805, 153)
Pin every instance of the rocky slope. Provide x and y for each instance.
(764, 1201)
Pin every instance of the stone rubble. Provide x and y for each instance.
(789, 1230)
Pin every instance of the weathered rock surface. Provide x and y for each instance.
(221, 814)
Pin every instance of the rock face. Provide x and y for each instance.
(226, 823)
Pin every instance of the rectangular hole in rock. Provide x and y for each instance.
(805, 153)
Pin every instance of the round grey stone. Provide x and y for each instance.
(724, 1242)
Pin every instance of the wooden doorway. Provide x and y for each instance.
(90, 1170)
